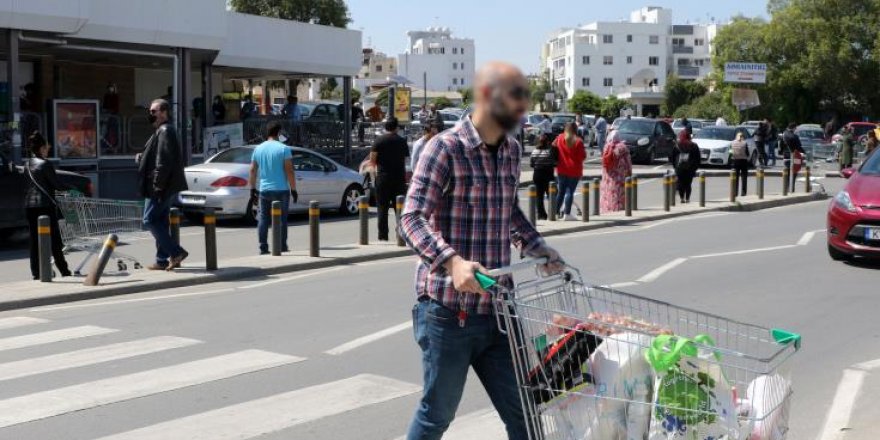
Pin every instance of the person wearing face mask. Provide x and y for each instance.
(461, 216)
(160, 178)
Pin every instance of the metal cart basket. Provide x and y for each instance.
(580, 357)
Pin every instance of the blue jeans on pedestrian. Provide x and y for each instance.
(156, 221)
(448, 351)
(265, 218)
(565, 196)
(600, 140)
(771, 152)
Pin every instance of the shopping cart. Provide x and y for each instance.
(87, 222)
(580, 360)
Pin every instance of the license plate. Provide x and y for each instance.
(872, 234)
(193, 200)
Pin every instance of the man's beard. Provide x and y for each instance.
(502, 116)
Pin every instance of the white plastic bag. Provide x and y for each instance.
(618, 369)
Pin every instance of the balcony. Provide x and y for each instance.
(688, 71)
(559, 73)
(682, 49)
(682, 29)
(558, 52)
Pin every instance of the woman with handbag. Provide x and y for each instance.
(40, 200)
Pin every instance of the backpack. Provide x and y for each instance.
(684, 160)
(740, 150)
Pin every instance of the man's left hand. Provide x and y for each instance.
(555, 263)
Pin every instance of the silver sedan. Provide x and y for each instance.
(222, 183)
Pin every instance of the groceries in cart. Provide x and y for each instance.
(597, 364)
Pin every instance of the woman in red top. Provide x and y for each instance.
(569, 168)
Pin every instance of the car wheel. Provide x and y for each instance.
(837, 255)
(350, 200)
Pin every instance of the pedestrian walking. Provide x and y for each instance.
(291, 110)
(388, 157)
(601, 131)
(791, 143)
(249, 109)
(218, 109)
(686, 160)
(358, 118)
(543, 160)
(739, 151)
(462, 216)
(432, 128)
(616, 167)
(847, 148)
(761, 135)
(43, 184)
(872, 143)
(772, 142)
(272, 179)
(160, 178)
(569, 168)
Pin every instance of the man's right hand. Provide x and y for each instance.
(255, 195)
(463, 275)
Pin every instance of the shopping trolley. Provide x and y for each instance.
(87, 222)
(579, 355)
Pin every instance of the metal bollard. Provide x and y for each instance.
(551, 192)
(732, 186)
(702, 189)
(595, 197)
(398, 211)
(759, 174)
(585, 201)
(94, 275)
(364, 212)
(628, 196)
(673, 189)
(314, 236)
(666, 192)
(174, 222)
(808, 186)
(210, 239)
(635, 185)
(277, 228)
(533, 204)
(44, 240)
(785, 180)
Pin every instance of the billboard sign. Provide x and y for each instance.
(745, 73)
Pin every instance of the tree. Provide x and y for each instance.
(326, 12)
(382, 98)
(442, 102)
(467, 95)
(539, 89)
(680, 92)
(710, 106)
(585, 102)
(612, 106)
(338, 94)
(328, 87)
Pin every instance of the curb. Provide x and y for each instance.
(709, 173)
(233, 274)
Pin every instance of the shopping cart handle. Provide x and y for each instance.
(528, 263)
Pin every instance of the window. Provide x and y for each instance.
(454, 50)
(654, 39)
(309, 162)
(568, 40)
(462, 51)
(654, 61)
(608, 60)
(585, 59)
(684, 61)
(629, 38)
(585, 82)
(461, 81)
(699, 42)
(378, 67)
(607, 38)
(699, 62)
(462, 66)
(455, 81)
(629, 81)
(629, 60)
(608, 82)
(678, 41)
(454, 66)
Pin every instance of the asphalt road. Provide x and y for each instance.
(316, 377)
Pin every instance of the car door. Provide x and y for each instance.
(667, 140)
(310, 178)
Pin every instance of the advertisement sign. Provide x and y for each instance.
(221, 137)
(76, 128)
(746, 73)
(402, 100)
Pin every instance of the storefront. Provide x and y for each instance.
(83, 72)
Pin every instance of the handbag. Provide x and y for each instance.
(58, 212)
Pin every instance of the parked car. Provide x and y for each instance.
(616, 124)
(678, 126)
(814, 143)
(854, 214)
(715, 142)
(449, 121)
(222, 183)
(860, 131)
(647, 139)
(368, 173)
(14, 183)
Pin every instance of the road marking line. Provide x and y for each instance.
(49, 337)
(484, 424)
(364, 340)
(275, 413)
(20, 321)
(805, 239)
(842, 406)
(746, 251)
(658, 272)
(132, 300)
(121, 388)
(292, 278)
(626, 229)
(91, 356)
(621, 285)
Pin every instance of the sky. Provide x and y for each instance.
(513, 30)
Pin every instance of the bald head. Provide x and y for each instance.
(496, 74)
(501, 95)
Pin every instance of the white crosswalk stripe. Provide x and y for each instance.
(49, 337)
(90, 356)
(59, 401)
(483, 424)
(19, 321)
(275, 413)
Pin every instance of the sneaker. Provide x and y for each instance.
(157, 266)
(569, 218)
(542, 217)
(175, 261)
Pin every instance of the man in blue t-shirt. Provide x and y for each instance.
(271, 179)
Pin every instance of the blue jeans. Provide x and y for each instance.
(448, 351)
(771, 152)
(567, 186)
(156, 221)
(600, 140)
(265, 219)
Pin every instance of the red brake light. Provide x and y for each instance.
(228, 181)
(90, 189)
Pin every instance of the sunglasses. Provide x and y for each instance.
(153, 112)
(519, 93)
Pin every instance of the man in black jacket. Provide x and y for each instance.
(160, 178)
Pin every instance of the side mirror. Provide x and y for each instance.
(847, 172)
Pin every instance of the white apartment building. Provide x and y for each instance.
(628, 59)
(376, 67)
(434, 57)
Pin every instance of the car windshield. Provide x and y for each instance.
(633, 126)
(810, 134)
(234, 155)
(861, 130)
(448, 116)
(717, 133)
(871, 165)
(562, 119)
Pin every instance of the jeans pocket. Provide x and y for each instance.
(419, 331)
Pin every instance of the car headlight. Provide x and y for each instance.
(720, 149)
(843, 201)
(642, 142)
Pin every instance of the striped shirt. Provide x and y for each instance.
(462, 200)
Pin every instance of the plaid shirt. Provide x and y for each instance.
(462, 201)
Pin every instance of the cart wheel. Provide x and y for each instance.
(137, 265)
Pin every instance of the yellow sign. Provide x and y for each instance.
(402, 99)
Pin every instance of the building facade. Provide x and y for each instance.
(691, 47)
(376, 67)
(435, 59)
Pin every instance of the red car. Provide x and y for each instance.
(860, 130)
(854, 214)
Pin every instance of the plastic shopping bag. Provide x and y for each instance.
(563, 365)
(692, 398)
(768, 407)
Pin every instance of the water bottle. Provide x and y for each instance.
(639, 413)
